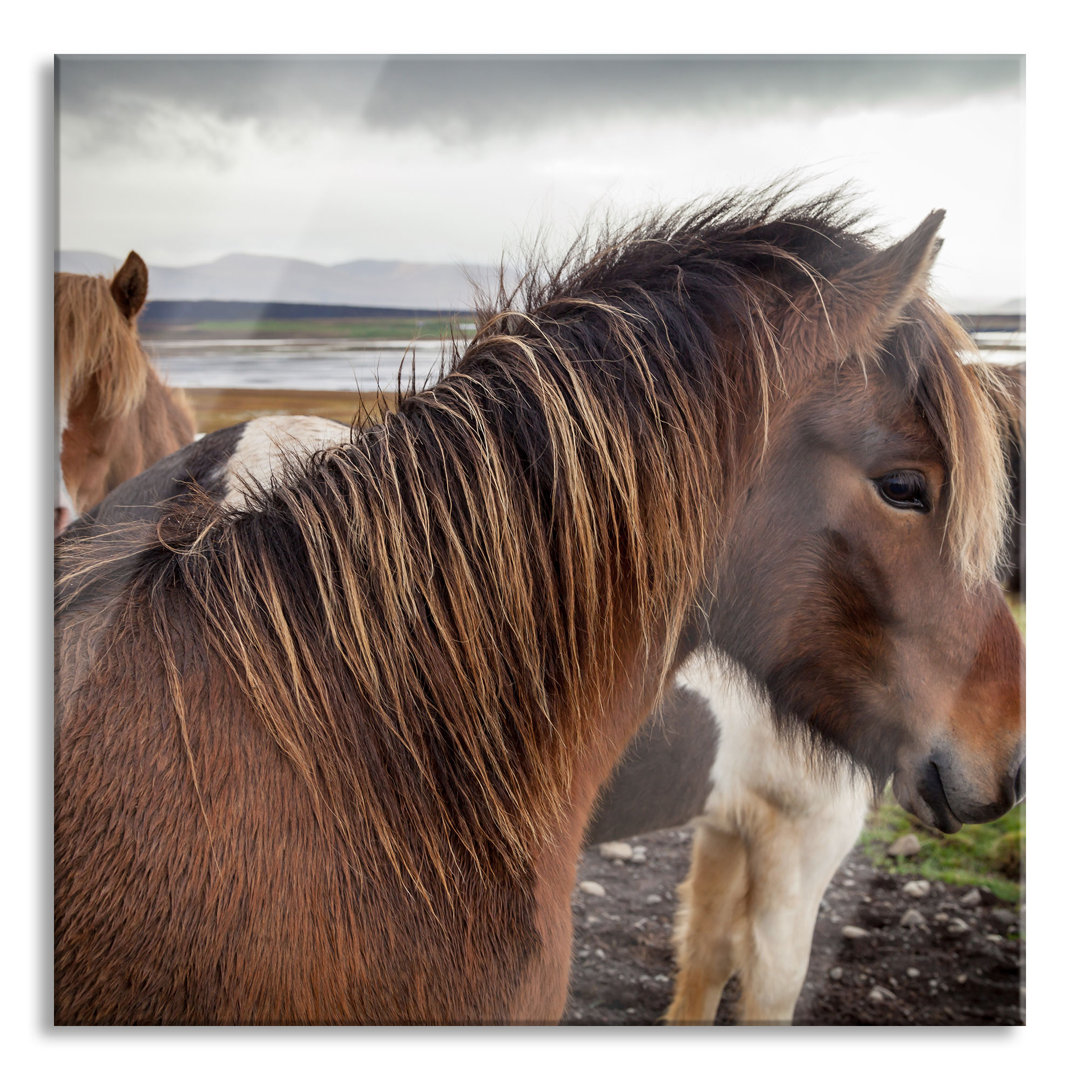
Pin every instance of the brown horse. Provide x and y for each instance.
(328, 756)
(114, 415)
(772, 822)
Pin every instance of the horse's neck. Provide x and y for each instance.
(166, 421)
(608, 474)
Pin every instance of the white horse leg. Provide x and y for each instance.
(791, 860)
(711, 927)
(774, 832)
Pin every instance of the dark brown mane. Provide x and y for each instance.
(483, 552)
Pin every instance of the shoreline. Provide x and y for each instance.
(221, 407)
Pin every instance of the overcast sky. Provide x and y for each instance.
(458, 159)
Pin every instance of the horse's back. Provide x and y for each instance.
(244, 903)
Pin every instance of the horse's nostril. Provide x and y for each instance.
(1018, 782)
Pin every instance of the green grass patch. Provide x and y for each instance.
(989, 855)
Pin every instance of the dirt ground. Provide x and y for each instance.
(935, 974)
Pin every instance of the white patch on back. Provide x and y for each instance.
(267, 443)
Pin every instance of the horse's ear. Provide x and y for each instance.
(129, 286)
(901, 270)
(863, 302)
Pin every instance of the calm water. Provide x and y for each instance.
(294, 364)
(329, 365)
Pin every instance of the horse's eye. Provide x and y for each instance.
(906, 490)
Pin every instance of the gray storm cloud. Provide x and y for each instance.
(462, 98)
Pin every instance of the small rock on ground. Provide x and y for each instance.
(908, 844)
(616, 849)
(854, 932)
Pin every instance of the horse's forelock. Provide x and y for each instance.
(970, 412)
(93, 341)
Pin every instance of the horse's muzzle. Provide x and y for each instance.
(938, 793)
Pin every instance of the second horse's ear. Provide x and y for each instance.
(851, 313)
(129, 286)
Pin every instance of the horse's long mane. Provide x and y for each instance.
(441, 606)
(93, 340)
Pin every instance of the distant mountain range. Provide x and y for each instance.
(272, 279)
(361, 283)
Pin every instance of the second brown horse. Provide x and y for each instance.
(114, 415)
